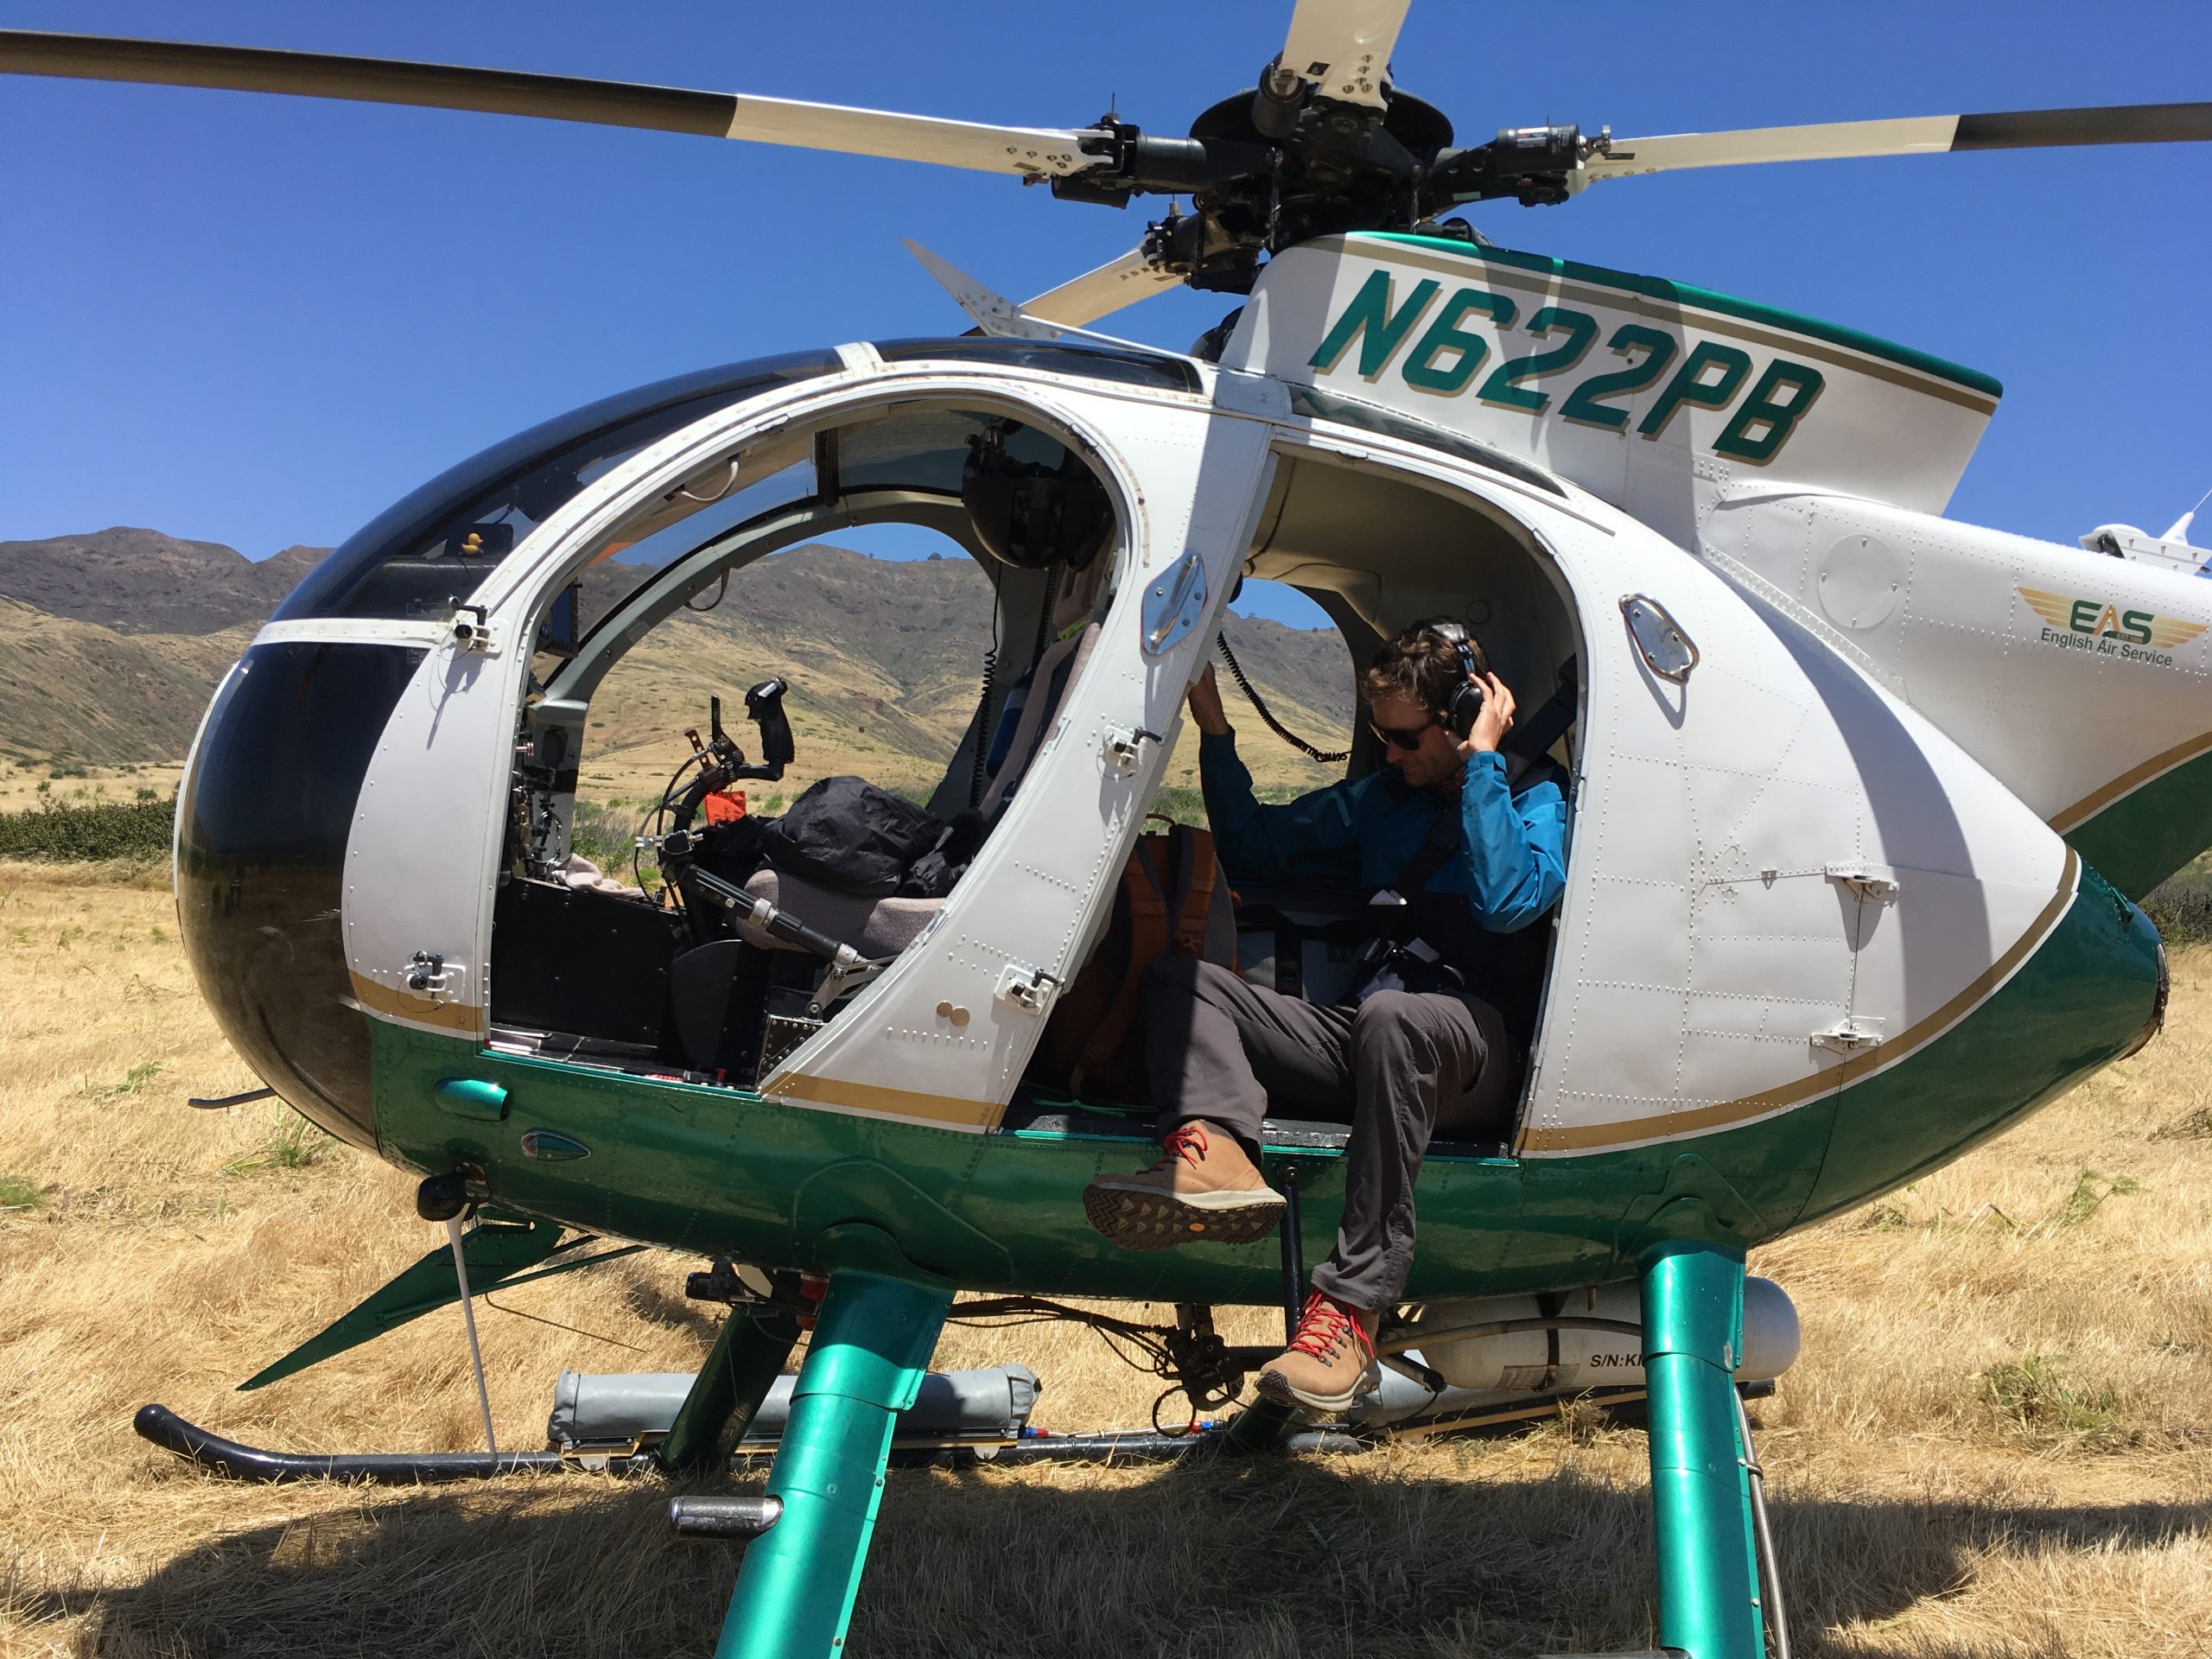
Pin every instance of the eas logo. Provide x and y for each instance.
(2091, 625)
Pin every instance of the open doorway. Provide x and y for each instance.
(755, 759)
(1373, 551)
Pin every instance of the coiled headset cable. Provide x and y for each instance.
(1267, 714)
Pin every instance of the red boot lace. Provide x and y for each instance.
(1186, 1140)
(1322, 1328)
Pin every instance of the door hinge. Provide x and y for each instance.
(1867, 880)
(471, 629)
(1124, 748)
(1854, 1036)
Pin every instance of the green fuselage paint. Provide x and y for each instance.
(718, 1171)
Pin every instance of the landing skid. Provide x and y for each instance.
(234, 1460)
(807, 1535)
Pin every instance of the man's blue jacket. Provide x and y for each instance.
(1511, 866)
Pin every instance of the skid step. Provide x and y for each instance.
(723, 1517)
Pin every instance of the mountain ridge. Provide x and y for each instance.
(111, 642)
(135, 581)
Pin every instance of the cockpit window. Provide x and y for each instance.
(926, 451)
(427, 552)
(1053, 357)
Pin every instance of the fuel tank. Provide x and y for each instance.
(1567, 1359)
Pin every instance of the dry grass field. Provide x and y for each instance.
(75, 785)
(1998, 1442)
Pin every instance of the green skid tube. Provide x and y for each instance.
(1700, 1480)
(878, 1324)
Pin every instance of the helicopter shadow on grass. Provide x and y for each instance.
(1309, 1556)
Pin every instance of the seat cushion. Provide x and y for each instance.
(874, 927)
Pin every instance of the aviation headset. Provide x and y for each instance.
(1465, 705)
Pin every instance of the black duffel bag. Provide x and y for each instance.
(847, 834)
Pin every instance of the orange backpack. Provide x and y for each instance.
(1172, 899)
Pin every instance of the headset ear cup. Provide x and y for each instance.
(1467, 696)
(1466, 708)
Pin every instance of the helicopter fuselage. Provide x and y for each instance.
(1815, 939)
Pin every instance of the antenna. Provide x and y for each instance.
(2180, 531)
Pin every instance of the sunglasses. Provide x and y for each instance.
(1402, 737)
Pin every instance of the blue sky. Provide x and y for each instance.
(257, 320)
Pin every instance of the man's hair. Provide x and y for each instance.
(1421, 666)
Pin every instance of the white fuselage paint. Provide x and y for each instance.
(2063, 705)
(1710, 937)
(1875, 426)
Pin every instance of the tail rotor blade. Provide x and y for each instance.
(2136, 124)
(1027, 152)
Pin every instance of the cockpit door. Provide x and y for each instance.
(943, 1036)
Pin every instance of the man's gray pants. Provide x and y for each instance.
(1404, 1065)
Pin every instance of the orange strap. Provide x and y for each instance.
(1147, 941)
(1197, 895)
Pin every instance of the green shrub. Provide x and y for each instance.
(606, 835)
(2035, 1395)
(95, 829)
(135, 1080)
(17, 1193)
(2091, 1188)
(297, 1144)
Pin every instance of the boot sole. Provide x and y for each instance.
(1276, 1386)
(1143, 1219)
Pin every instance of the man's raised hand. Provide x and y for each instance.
(1205, 705)
(1495, 721)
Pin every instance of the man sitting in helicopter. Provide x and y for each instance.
(1422, 1047)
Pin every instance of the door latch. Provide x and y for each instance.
(1125, 748)
(1028, 989)
(426, 974)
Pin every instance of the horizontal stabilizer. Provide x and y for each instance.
(499, 1253)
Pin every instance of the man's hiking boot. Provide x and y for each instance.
(1203, 1190)
(1329, 1362)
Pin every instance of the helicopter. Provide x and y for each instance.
(1862, 798)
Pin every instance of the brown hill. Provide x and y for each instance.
(885, 659)
(142, 582)
(114, 641)
(77, 690)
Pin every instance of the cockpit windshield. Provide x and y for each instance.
(427, 552)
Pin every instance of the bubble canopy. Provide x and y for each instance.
(427, 552)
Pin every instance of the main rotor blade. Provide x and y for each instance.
(1113, 285)
(1029, 152)
(2126, 124)
(1342, 48)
